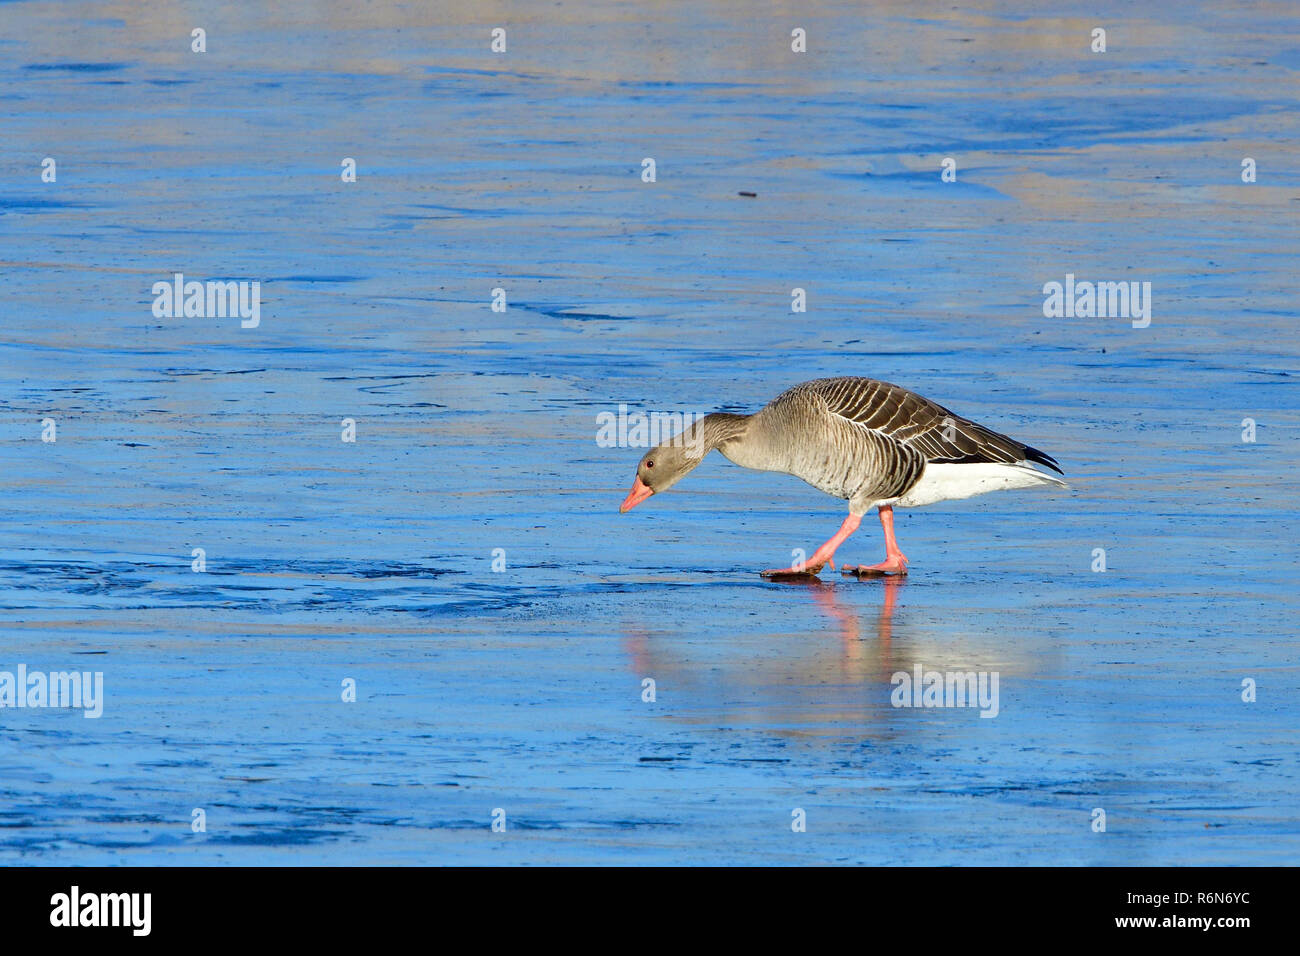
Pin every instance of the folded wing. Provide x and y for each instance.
(921, 425)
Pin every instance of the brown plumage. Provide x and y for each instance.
(904, 432)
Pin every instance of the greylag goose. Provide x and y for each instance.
(873, 444)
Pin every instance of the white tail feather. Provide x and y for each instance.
(956, 481)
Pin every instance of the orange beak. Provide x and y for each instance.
(639, 493)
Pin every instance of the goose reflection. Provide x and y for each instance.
(853, 644)
(833, 672)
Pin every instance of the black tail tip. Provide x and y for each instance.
(1033, 454)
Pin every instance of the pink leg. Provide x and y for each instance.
(895, 560)
(822, 555)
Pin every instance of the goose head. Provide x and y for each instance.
(660, 469)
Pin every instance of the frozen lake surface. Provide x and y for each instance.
(521, 689)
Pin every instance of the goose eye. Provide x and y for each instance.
(649, 464)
